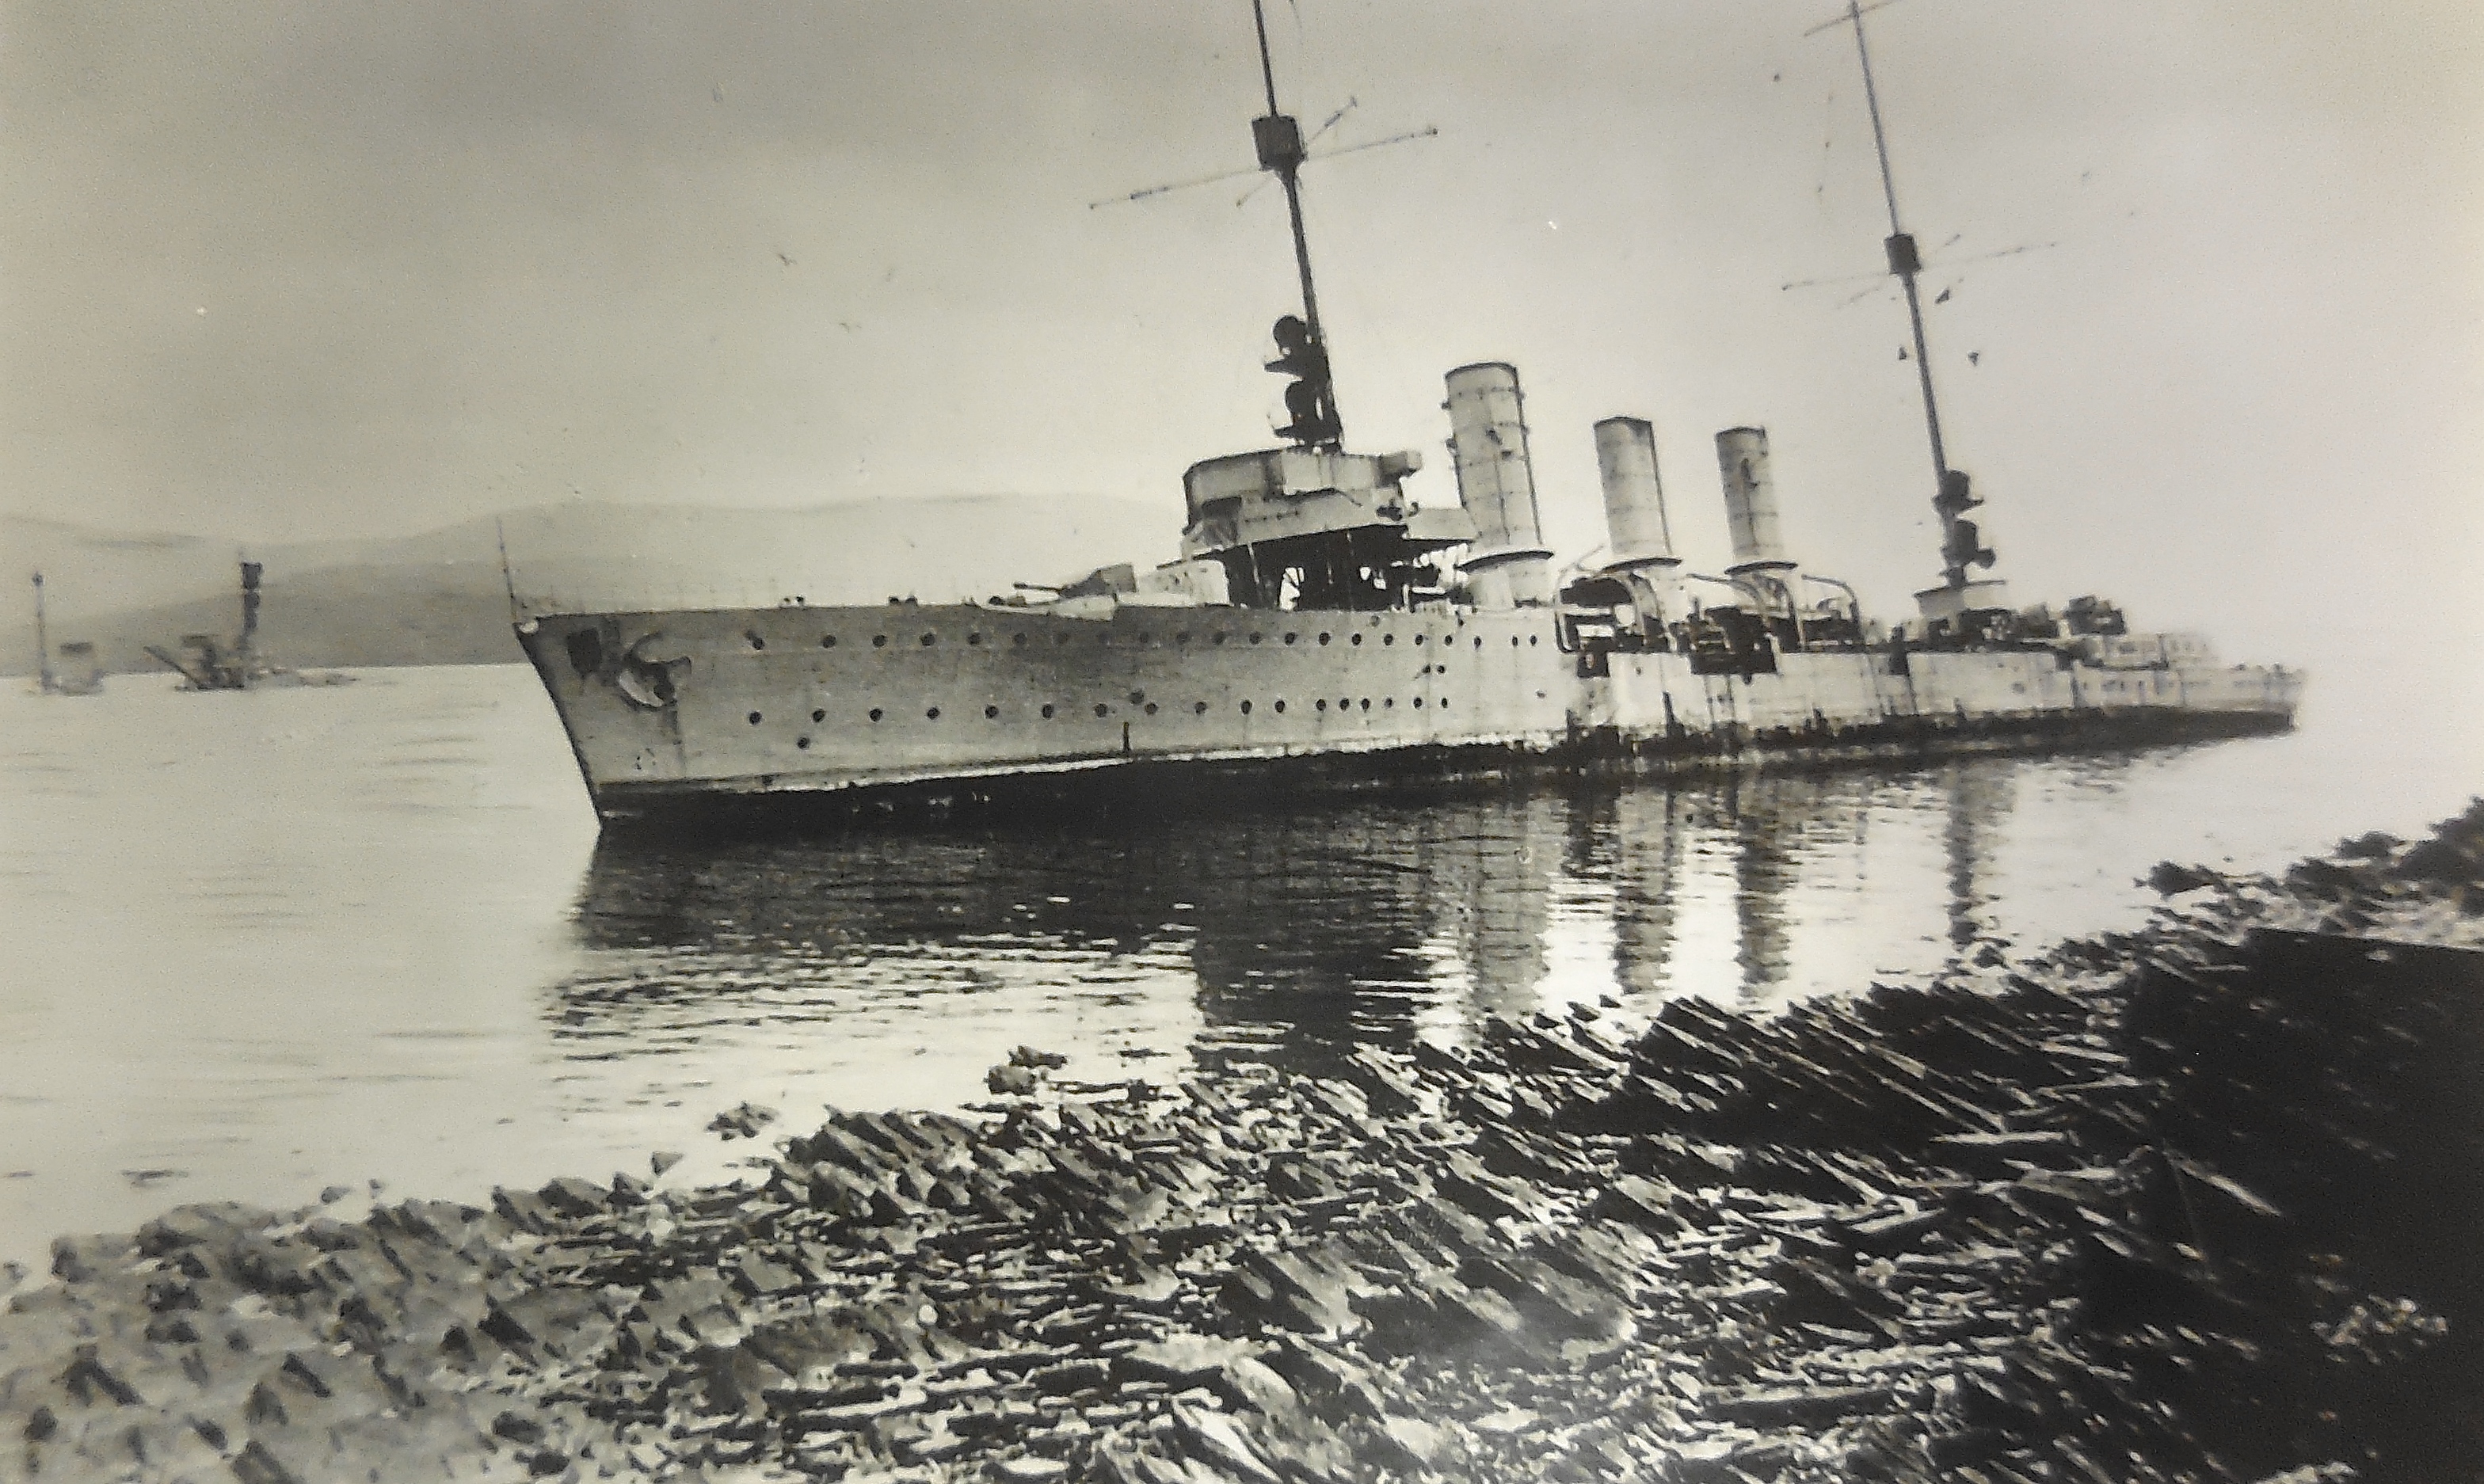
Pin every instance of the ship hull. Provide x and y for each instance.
(797, 717)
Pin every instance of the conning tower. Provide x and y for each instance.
(1318, 528)
(1509, 566)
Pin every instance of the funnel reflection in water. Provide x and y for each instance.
(916, 959)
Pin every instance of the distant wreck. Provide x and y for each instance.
(78, 673)
(207, 664)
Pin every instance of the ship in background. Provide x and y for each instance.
(1323, 630)
(207, 662)
(79, 672)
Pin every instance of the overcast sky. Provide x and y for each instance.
(279, 272)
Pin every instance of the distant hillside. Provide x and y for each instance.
(437, 598)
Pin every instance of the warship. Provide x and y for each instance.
(79, 671)
(207, 662)
(1322, 630)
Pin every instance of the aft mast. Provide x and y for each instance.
(1953, 495)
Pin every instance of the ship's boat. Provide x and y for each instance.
(1321, 629)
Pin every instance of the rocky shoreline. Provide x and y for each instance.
(2197, 1203)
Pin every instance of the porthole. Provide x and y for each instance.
(974, 638)
(1245, 708)
(802, 742)
(828, 642)
(756, 642)
(1534, 639)
(1419, 640)
(754, 718)
(1418, 703)
(1366, 703)
(875, 714)
(1478, 641)
(1345, 703)
(1513, 642)
(1323, 638)
(931, 640)
(1017, 640)
(1151, 707)
(1281, 706)
(1294, 639)
(1256, 637)
(1387, 639)
(1103, 710)
(1061, 638)
(1386, 702)
(1439, 669)
(819, 716)
(932, 713)
(1444, 703)
(1320, 705)
(990, 712)
(1047, 713)
(879, 641)
(1221, 635)
(1357, 638)
(1136, 696)
(1198, 709)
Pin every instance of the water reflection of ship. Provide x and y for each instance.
(1307, 936)
(1310, 936)
(1711, 884)
(1979, 798)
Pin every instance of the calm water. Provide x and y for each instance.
(263, 944)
